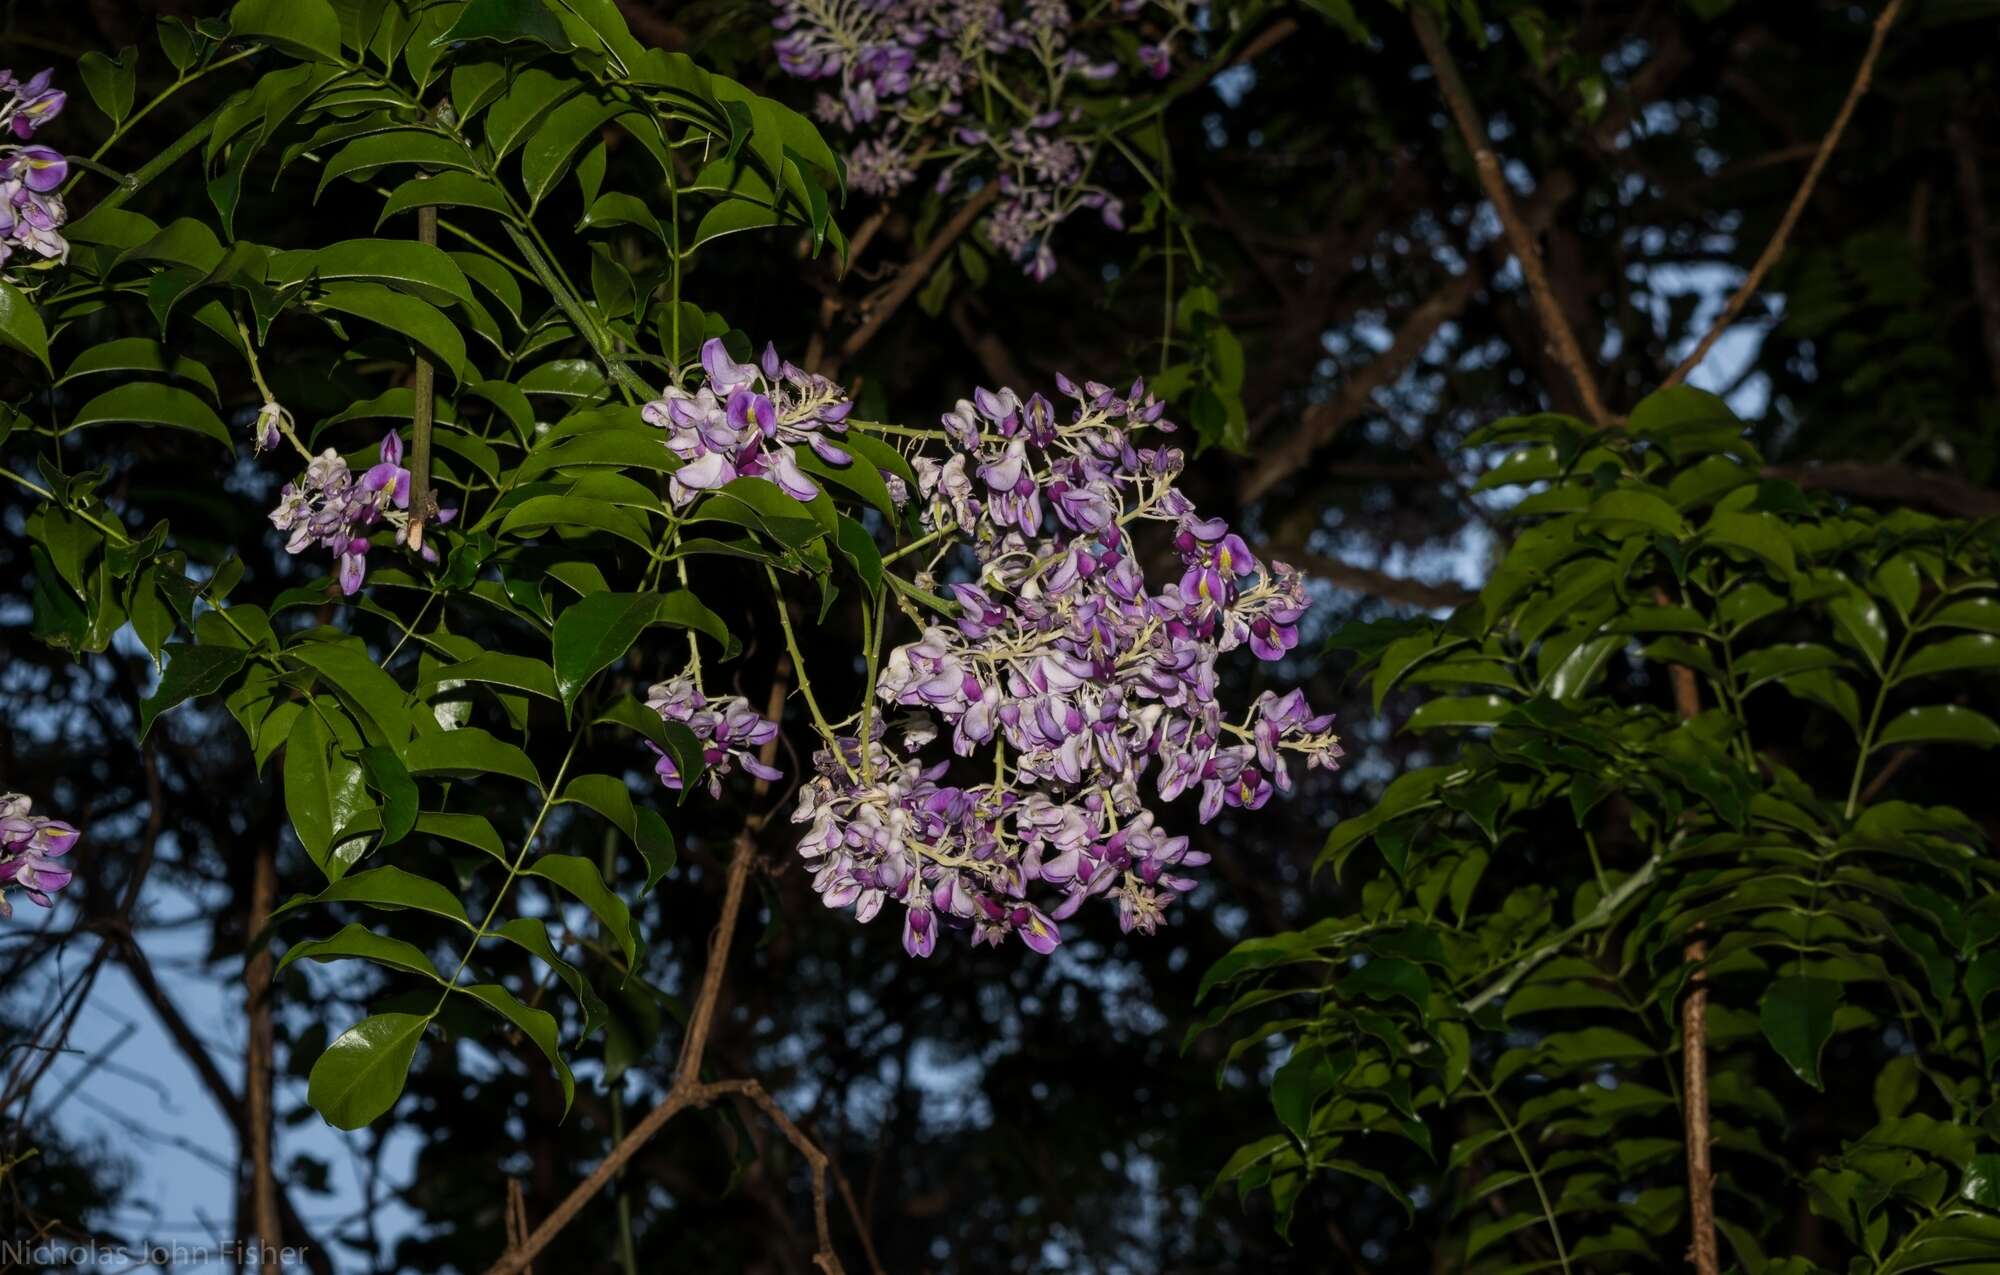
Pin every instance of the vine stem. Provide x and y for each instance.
(1776, 248)
(799, 668)
(1528, 1163)
(422, 412)
(688, 1091)
(1554, 327)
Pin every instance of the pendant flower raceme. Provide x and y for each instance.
(1079, 683)
(30, 844)
(997, 90)
(727, 729)
(745, 421)
(333, 507)
(31, 212)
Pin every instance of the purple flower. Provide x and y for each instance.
(31, 212)
(747, 422)
(1083, 682)
(331, 507)
(727, 730)
(30, 844)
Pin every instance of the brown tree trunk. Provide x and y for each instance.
(258, 1059)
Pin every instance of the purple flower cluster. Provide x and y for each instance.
(984, 85)
(1075, 674)
(745, 421)
(332, 507)
(727, 729)
(30, 844)
(31, 212)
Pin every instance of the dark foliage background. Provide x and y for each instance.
(1000, 1113)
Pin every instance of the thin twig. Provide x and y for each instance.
(258, 1057)
(423, 504)
(687, 1091)
(1519, 237)
(916, 271)
(1695, 1123)
(1776, 248)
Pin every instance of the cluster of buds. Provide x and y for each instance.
(1072, 678)
(30, 844)
(727, 730)
(745, 421)
(985, 85)
(333, 507)
(31, 212)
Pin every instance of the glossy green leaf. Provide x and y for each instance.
(386, 887)
(1797, 1017)
(357, 940)
(384, 772)
(501, 669)
(1953, 655)
(1942, 723)
(303, 28)
(537, 1025)
(324, 792)
(362, 1073)
(469, 753)
(191, 671)
(403, 315)
(580, 878)
(151, 403)
(505, 21)
(21, 325)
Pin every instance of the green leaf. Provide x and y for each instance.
(671, 738)
(402, 315)
(1982, 614)
(458, 190)
(1953, 655)
(384, 772)
(323, 792)
(1772, 663)
(365, 155)
(191, 671)
(357, 940)
(1982, 1182)
(1459, 711)
(576, 512)
(581, 879)
(137, 354)
(468, 753)
(386, 887)
(505, 21)
(730, 217)
(1860, 621)
(1760, 535)
(517, 671)
(618, 448)
(546, 154)
(361, 1074)
(1298, 1086)
(404, 264)
(378, 703)
(303, 28)
(1622, 512)
(471, 830)
(595, 631)
(150, 403)
(537, 1025)
(1942, 723)
(21, 325)
(109, 81)
(1686, 421)
(1797, 1018)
